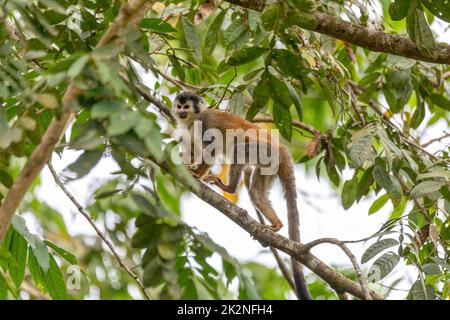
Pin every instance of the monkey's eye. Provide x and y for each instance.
(178, 106)
(186, 106)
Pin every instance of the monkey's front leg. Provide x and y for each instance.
(234, 176)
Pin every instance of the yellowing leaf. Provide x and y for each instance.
(47, 100)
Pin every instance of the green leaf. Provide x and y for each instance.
(6, 179)
(237, 103)
(364, 184)
(283, 120)
(36, 244)
(435, 172)
(348, 195)
(212, 34)
(234, 31)
(18, 248)
(192, 38)
(152, 274)
(270, 16)
(419, 113)
(362, 153)
(261, 95)
(376, 248)
(288, 62)
(432, 269)
(303, 5)
(105, 108)
(419, 292)
(40, 251)
(426, 188)
(167, 250)
(389, 184)
(440, 8)
(36, 272)
(157, 25)
(77, 67)
(84, 163)
(122, 122)
(295, 99)
(144, 205)
(54, 281)
(383, 266)
(399, 9)
(107, 194)
(418, 29)
(280, 92)
(70, 258)
(440, 101)
(3, 288)
(177, 69)
(379, 203)
(398, 89)
(246, 55)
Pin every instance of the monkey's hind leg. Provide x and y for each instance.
(259, 195)
(234, 176)
(200, 170)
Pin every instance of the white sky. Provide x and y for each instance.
(331, 221)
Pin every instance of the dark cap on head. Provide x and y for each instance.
(186, 96)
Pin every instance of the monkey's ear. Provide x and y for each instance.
(202, 104)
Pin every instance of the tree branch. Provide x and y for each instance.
(340, 244)
(283, 268)
(265, 236)
(438, 139)
(373, 40)
(97, 230)
(295, 123)
(129, 13)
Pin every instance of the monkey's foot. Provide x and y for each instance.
(274, 227)
(196, 175)
(213, 180)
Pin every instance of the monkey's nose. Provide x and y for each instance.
(182, 115)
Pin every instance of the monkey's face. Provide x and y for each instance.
(186, 106)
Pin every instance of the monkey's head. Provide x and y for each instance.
(187, 106)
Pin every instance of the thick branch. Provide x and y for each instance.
(373, 40)
(129, 13)
(266, 237)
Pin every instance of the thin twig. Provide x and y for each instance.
(284, 269)
(350, 255)
(295, 123)
(426, 144)
(33, 291)
(97, 230)
(343, 296)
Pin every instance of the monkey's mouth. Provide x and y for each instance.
(182, 115)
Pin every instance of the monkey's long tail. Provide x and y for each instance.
(287, 178)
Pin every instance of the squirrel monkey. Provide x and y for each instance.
(189, 108)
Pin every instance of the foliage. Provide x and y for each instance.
(371, 109)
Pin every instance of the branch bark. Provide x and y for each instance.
(373, 40)
(130, 12)
(266, 237)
